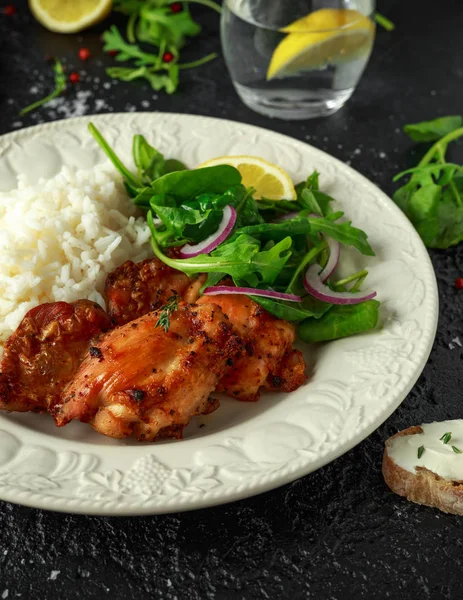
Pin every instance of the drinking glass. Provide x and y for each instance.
(296, 59)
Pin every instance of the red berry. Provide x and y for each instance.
(167, 57)
(74, 77)
(113, 52)
(176, 7)
(459, 283)
(9, 10)
(84, 54)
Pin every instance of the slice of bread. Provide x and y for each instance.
(424, 486)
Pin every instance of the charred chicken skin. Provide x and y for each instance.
(143, 381)
(135, 289)
(45, 352)
(269, 360)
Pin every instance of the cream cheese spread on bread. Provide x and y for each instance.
(441, 458)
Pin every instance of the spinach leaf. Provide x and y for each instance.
(339, 322)
(187, 185)
(212, 280)
(292, 311)
(430, 131)
(171, 165)
(150, 163)
(131, 182)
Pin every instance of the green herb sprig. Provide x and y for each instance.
(445, 439)
(432, 198)
(60, 86)
(154, 23)
(420, 451)
(384, 22)
(167, 311)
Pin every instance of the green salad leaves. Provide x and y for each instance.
(262, 251)
(432, 198)
(163, 26)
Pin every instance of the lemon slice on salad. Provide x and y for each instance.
(69, 16)
(267, 179)
(328, 35)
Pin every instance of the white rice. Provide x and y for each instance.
(60, 238)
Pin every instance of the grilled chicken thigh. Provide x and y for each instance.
(270, 360)
(134, 289)
(141, 380)
(45, 352)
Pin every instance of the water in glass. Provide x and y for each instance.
(297, 59)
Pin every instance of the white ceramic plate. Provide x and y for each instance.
(242, 449)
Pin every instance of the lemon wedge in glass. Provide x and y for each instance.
(69, 16)
(325, 36)
(267, 179)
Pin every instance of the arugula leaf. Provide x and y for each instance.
(163, 77)
(433, 197)
(242, 260)
(276, 231)
(114, 42)
(156, 24)
(430, 131)
(339, 322)
(176, 219)
(447, 225)
(269, 263)
(163, 24)
(342, 232)
(311, 184)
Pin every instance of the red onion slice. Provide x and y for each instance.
(215, 239)
(316, 288)
(335, 251)
(229, 289)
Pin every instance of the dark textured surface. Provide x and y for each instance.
(338, 533)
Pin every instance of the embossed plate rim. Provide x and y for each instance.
(148, 485)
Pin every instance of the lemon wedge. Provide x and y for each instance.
(328, 35)
(69, 16)
(267, 179)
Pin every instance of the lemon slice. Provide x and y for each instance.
(69, 16)
(267, 179)
(327, 35)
